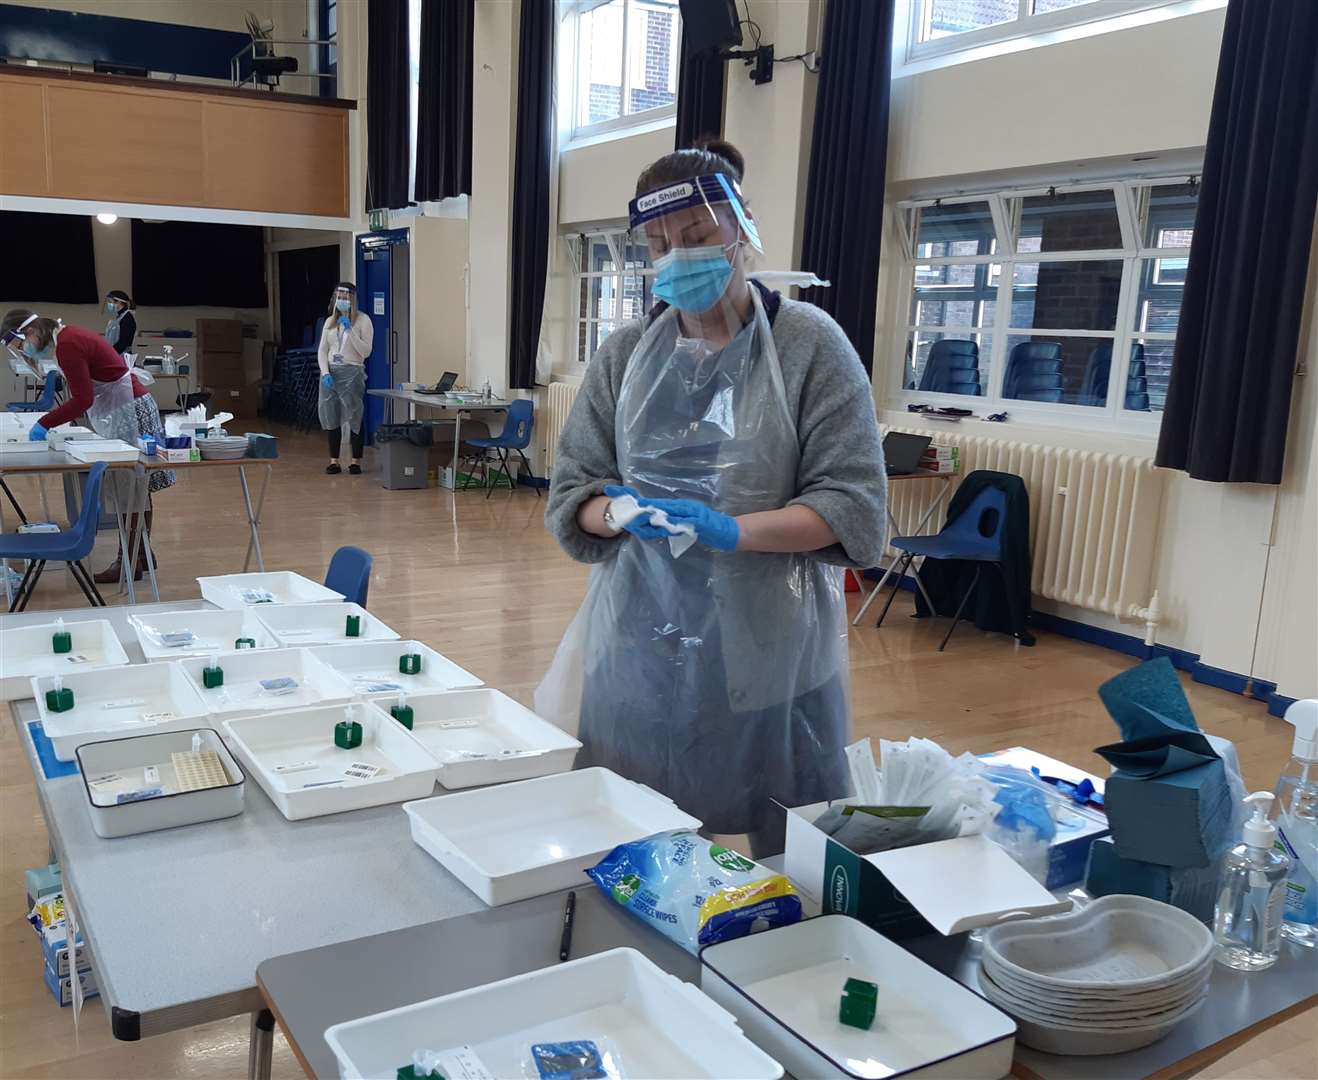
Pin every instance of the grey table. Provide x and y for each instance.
(440, 403)
(178, 921)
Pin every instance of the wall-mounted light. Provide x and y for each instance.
(107, 219)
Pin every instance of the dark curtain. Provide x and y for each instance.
(443, 127)
(307, 277)
(182, 263)
(48, 258)
(530, 217)
(699, 95)
(1228, 401)
(848, 155)
(387, 109)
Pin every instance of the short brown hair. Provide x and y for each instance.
(707, 156)
(44, 328)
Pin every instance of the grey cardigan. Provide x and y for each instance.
(841, 475)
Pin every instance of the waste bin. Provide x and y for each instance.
(404, 449)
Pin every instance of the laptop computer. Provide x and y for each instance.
(444, 385)
(902, 452)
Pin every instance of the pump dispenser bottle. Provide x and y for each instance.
(1247, 922)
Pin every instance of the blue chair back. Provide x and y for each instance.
(1098, 370)
(83, 533)
(350, 573)
(47, 400)
(983, 521)
(1034, 372)
(516, 433)
(952, 368)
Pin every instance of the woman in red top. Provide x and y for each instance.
(116, 404)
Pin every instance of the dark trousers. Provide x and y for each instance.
(336, 442)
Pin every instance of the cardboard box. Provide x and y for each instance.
(61, 987)
(223, 335)
(55, 951)
(243, 401)
(41, 882)
(223, 369)
(187, 453)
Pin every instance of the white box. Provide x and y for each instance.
(784, 986)
(533, 837)
(372, 669)
(126, 759)
(213, 631)
(91, 450)
(660, 1028)
(115, 702)
(485, 737)
(282, 586)
(294, 758)
(26, 652)
(243, 692)
(321, 624)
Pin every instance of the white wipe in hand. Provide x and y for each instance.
(625, 508)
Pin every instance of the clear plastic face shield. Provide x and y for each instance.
(345, 301)
(698, 232)
(19, 347)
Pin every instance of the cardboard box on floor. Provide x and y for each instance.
(243, 401)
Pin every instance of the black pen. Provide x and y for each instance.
(569, 913)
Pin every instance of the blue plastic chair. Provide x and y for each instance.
(952, 368)
(514, 438)
(1034, 372)
(44, 403)
(71, 546)
(975, 534)
(350, 573)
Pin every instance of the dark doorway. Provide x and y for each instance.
(307, 277)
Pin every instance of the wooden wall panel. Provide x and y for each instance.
(22, 138)
(280, 158)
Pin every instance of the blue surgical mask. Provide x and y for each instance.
(110, 306)
(33, 353)
(692, 279)
(343, 305)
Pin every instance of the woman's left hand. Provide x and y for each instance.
(713, 529)
(343, 322)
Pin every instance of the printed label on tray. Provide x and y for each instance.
(77, 658)
(101, 781)
(158, 717)
(362, 770)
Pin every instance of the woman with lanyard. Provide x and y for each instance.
(345, 343)
(116, 403)
(716, 674)
(122, 327)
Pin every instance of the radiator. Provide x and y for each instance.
(561, 397)
(1093, 517)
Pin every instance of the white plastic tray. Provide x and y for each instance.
(213, 631)
(126, 758)
(115, 702)
(25, 653)
(242, 692)
(372, 669)
(101, 450)
(658, 1026)
(296, 625)
(268, 743)
(784, 986)
(485, 737)
(227, 590)
(533, 837)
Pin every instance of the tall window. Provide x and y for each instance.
(625, 62)
(327, 29)
(613, 285)
(1063, 300)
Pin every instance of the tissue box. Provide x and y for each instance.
(55, 951)
(1192, 889)
(41, 882)
(61, 986)
(172, 454)
(1179, 820)
(262, 446)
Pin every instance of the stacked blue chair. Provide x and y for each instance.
(952, 368)
(1093, 391)
(1034, 372)
(45, 402)
(69, 547)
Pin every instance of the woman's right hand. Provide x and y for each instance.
(639, 527)
(327, 381)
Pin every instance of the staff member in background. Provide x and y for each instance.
(117, 405)
(122, 327)
(717, 676)
(345, 343)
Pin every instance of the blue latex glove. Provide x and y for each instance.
(343, 322)
(37, 434)
(639, 527)
(327, 381)
(713, 529)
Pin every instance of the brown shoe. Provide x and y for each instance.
(110, 575)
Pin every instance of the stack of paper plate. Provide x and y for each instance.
(223, 447)
(1117, 975)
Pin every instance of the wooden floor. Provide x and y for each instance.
(482, 582)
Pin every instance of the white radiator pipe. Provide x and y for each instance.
(1151, 616)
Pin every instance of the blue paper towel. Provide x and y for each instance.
(1192, 889)
(1148, 700)
(1179, 820)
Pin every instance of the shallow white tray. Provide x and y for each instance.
(242, 694)
(1091, 1001)
(533, 837)
(214, 630)
(25, 653)
(128, 757)
(1045, 1011)
(270, 741)
(286, 587)
(659, 1026)
(115, 702)
(372, 668)
(101, 450)
(784, 986)
(485, 737)
(321, 624)
(1114, 943)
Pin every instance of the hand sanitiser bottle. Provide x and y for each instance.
(1295, 814)
(1247, 922)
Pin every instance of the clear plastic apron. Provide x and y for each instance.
(111, 402)
(718, 679)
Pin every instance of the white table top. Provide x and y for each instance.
(440, 401)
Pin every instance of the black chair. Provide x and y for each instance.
(952, 368)
(1098, 369)
(1034, 372)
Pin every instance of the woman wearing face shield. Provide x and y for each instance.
(122, 325)
(717, 676)
(345, 343)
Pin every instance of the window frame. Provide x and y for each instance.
(1005, 204)
(579, 245)
(626, 121)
